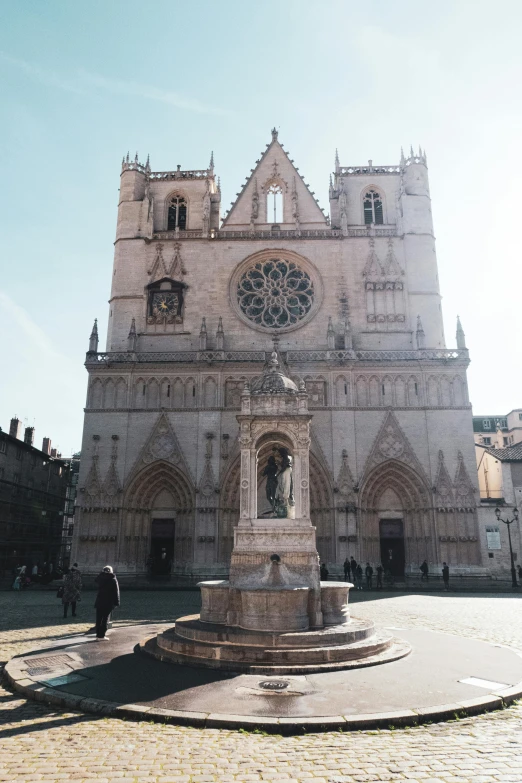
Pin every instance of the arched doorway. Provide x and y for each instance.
(396, 518)
(159, 520)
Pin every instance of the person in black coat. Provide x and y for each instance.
(108, 597)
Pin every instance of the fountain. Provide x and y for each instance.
(274, 615)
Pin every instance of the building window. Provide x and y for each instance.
(520, 416)
(274, 203)
(3, 446)
(487, 442)
(373, 208)
(18, 453)
(511, 439)
(505, 441)
(486, 424)
(177, 214)
(275, 293)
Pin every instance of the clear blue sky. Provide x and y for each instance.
(82, 83)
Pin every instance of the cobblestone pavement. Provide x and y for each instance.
(40, 744)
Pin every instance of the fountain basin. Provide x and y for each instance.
(334, 602)
(274, 608)
(214, 601)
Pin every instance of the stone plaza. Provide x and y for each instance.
(47, 745)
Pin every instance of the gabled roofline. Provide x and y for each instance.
(269, 146)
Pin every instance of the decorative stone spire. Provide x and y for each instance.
(220, 336)
(412, 154)
(93, 339)
(330, 336)
(337, 165)
(219, 185)
(421, 337)
(132, 337)
(211, 164)
(348, 337)
(147, 164)
(275, 134)
(403, 159)
(461, 337)
(203, 335)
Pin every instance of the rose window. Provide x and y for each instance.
(275, 293)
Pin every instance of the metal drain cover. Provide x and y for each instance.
(274, 685)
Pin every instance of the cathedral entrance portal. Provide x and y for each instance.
(161, 546)
(392, 547)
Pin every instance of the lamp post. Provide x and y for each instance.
(509, 522)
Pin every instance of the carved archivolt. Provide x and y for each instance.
(153, 479)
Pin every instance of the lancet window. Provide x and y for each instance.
(274, 203)
(372, 208)
(177, 213)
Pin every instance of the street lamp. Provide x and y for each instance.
(508, 522)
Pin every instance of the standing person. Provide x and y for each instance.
(108, 597)
(72, 587)
(424, 570)
(324, 572)
(353, 566)
(358, 577)
(520, 572)
(380, 570)
(369, 576)
(34, 573)
(346, 569)
(445, 575)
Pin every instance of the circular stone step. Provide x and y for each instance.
(214, 646)
(191, 627)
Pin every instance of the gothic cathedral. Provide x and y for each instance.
(351, 304)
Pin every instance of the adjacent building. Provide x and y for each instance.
(33, 486)
(498, 431)
(350, 302)
(500, 484)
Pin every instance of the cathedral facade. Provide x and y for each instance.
(351, 304)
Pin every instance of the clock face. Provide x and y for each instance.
(165, 304)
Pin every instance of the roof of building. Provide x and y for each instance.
(478, 423)
(508, 454)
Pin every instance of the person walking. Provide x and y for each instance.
(424, 571)
(380, 571)
(445, 575)
(369, 576)
(353, 567)
(346, 569)
(358, 577)
(72, 588)
(108, 597)
(324, 573)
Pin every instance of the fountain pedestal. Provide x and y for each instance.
(274, 615)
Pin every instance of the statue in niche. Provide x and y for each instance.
(271, 472)
(285, 503)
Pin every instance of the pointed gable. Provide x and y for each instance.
(444, 497)
(162, 444)
(464, 489)
(373, 269)
(275, 169)
(391, 443)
